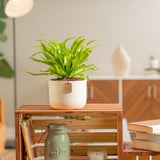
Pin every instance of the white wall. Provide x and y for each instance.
(135, 23)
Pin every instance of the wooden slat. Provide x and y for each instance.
(155, 157)
(82, 150)
(79, 158)
(92, 137)
(139, 158)
(143, 157)
(84, 158)
(2, 119)
(92, 106)
(45, 109)
(73, 114)
(86, 137)
(79, 123)
(130, 158)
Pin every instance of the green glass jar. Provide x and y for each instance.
(57, 144)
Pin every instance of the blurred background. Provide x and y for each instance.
(133, 23)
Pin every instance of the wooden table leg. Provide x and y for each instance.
(120, 136)
(19, 141)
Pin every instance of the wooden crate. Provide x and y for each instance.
(138, 154)
(95, 117)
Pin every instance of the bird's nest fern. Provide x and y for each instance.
(64, 62)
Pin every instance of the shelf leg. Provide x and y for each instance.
(19, 141)
(120, 136)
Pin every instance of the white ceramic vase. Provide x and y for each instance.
(121, 62)
(74, 98)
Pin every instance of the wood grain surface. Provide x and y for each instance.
(2, 118)
(136, 102)
(2, 127)
(87, 137)
(102, 91)
(79, 123)
(81, 150)
(130, 153)
(102, 116)
(156, 99)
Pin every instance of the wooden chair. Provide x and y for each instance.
(2, 127)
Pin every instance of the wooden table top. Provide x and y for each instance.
(46, 108)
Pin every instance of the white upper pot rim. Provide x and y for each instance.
(69, 80)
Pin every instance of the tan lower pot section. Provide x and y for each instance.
(67, 94)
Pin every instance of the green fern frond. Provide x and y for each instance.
(64, 62)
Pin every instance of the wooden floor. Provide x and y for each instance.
(8, 154)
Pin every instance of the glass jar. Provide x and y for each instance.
(57, 144)
(97, 154)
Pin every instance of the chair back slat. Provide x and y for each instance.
(2, 111)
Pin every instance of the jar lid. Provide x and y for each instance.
(57, 126)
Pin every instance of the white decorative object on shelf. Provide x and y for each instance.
(154, 62)
(97, 154)
(121, 62)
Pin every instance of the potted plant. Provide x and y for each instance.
(5, 69)
(68, 90)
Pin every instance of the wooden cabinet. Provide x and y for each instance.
(156, 99)
(141, 99)
(102, 91)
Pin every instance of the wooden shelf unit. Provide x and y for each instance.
(96, 116)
